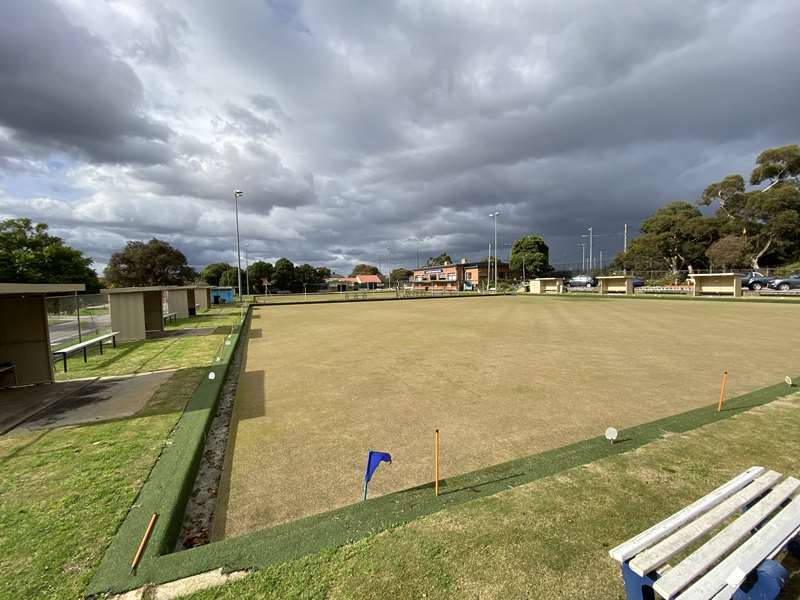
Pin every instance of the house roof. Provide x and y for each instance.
(368, 279)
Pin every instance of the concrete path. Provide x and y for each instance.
(21, 403)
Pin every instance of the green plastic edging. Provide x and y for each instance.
(327, 531)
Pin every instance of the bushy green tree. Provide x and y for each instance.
(259, 273)
(728, 252)
(363, 269)
(531, 254)
(283, 276)
(229, 278)
(148, 263)
(29, 254)
(400, 274)
(438, 261)
(211, 273)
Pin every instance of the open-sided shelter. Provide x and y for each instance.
(135, 311)
(25, 355)
(180, 300)
(202, 295)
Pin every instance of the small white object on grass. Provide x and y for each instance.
(789, 381)
(212, 375)
(611, 434)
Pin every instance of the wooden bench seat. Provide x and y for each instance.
(171, 316)
(84, 345)
(9, 368)
(737, 559)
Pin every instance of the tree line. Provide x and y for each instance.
(754, 228)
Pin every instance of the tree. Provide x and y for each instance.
(400, 274)
(365, 270)
(28, 254)
(728, 251)
(531, 252)
(230, 278)
(148, 263)
(283, 277)
(324, 273)
(438, 261)
(729, 193)
(259, 273)
(211, 273)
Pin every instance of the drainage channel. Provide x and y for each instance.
(199, 515)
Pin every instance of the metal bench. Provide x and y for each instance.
(172, 316)
(737, 561)
(9, 368)
(64, 352)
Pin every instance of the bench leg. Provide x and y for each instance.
(65, 363)
(85, 358)
(770, 578)
(637, 587)
(114, 341)
(101, 347)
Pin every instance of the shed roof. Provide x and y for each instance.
(133, 290)
(40, 288)
(368, 279)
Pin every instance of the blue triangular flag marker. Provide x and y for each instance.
(373, 460)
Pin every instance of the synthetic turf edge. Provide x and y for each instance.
(169, 483)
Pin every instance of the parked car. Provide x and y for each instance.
(792, 282)
(637, 282)
(755, 281)
(584, 281)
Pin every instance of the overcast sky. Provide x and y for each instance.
(353, 126)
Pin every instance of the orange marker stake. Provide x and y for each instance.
(436, 461)
(145, 537)
(722, 390)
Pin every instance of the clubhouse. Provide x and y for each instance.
(455, 276)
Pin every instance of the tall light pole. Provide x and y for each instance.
(494, 216)
(236, 195)
(389, 265)
(246, 270)
(625, 246)
(583, 257)
(591, 260)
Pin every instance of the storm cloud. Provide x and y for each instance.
(360, 130)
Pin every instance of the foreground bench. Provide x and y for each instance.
(171, 316)
(9, 368)
(64, 352)
(736, 562)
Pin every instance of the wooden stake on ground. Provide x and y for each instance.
(142, 544)
(436, 461)
(722, 390)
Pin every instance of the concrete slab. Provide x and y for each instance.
(21, 403)
(101, 400)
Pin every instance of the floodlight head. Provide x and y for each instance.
(237, 193)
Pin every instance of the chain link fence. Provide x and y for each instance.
(76, 318)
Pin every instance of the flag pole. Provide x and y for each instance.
(436, 461)
(365, 489)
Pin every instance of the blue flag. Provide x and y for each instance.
(373, 460)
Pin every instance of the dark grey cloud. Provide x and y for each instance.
(62, 87)
(355, 126)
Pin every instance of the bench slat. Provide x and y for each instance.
(661, 530)
(763, 544)
(660, 553)
(702, 559)
(85, 343)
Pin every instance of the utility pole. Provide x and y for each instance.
(591, 258)
(489, 267)
(389, 266)
(246, 270)
(236, 195)
(625, 246)
(601, 258)
(494, 215)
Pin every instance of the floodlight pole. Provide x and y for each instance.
(246, 270)
(494, 216)
(625, 247)
(236, 195)
(591, 259)
(583, 257)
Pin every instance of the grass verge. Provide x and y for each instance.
(64, 492)
(171, 352)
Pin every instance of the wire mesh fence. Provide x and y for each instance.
(73, 319)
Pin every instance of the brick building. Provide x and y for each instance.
(455, 276)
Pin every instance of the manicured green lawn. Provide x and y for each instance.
(171, 352)
(64, 491)
(547, 539)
